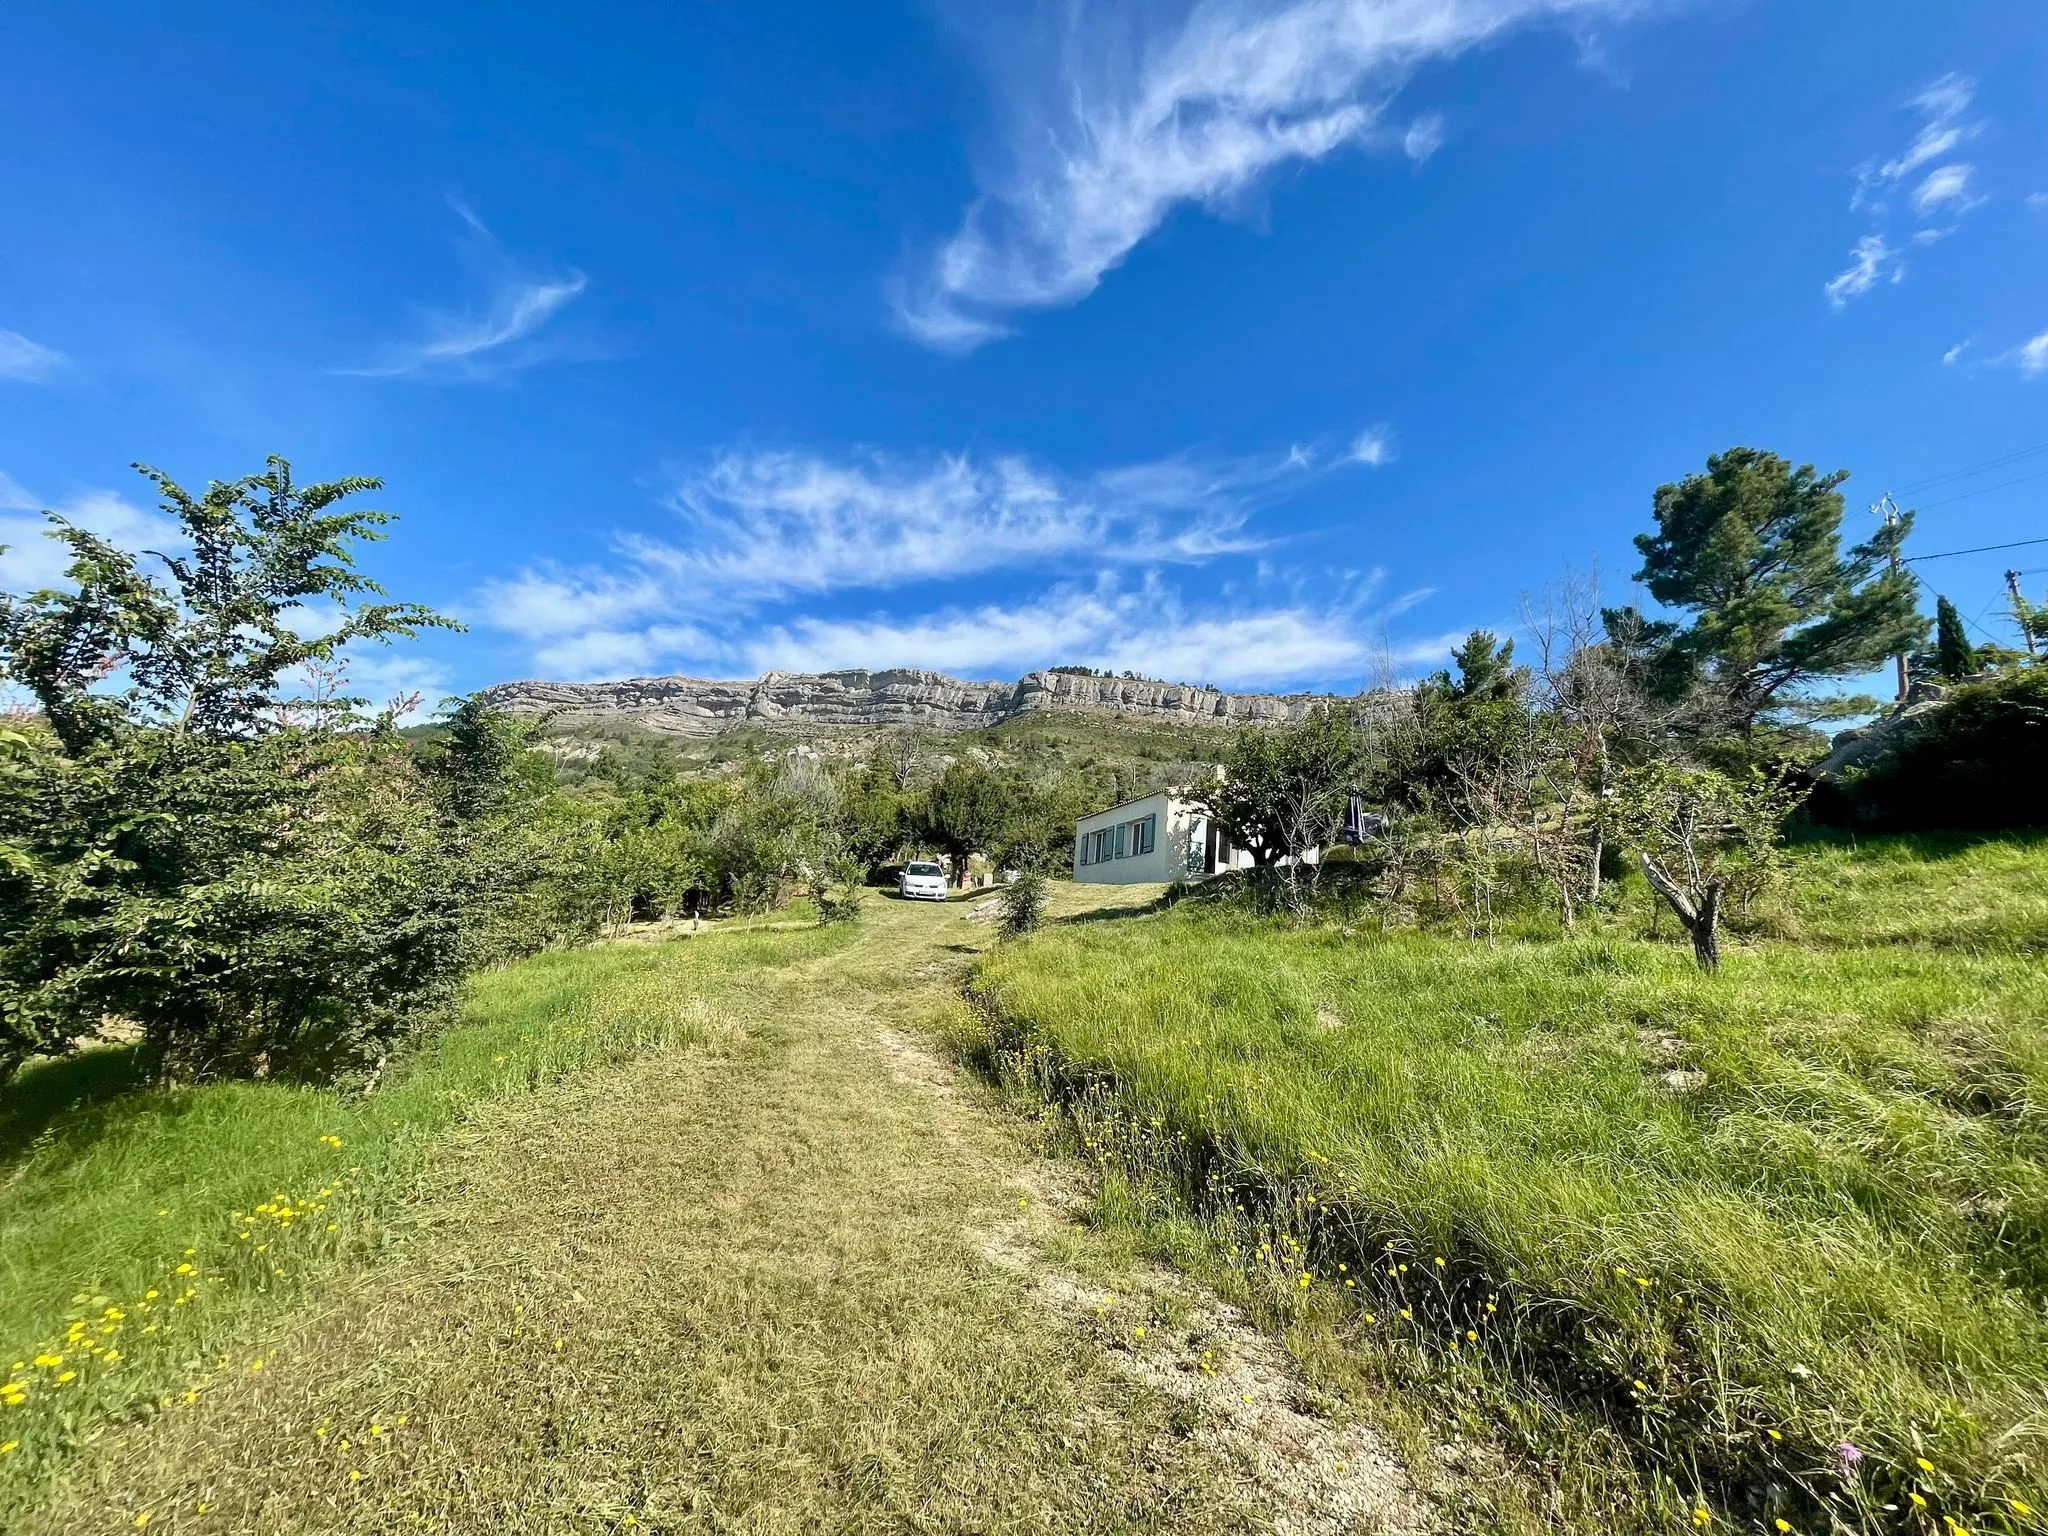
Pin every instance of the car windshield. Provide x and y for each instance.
(922, 869)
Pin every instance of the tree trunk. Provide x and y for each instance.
(1706, 932)
(1702, 919)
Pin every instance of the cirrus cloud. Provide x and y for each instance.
(1140, 115)
(27, 362)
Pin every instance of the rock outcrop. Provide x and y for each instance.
(692, 706)
(1864, 745)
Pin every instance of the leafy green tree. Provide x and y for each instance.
(1024, 904)
(1954, 657)
(875, 813)
(208, 652)
(255, 879)
(1752, 551)
(1458, 725)
(840, 890)
(1703, 836)
(1283, 790)
(967, 810)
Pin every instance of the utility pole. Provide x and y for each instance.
(2020, 611)
(1888, 509)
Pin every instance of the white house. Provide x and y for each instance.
(1157, 838)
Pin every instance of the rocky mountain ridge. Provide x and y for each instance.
(859, 698)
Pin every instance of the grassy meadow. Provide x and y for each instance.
(687, 1235)
(1769, 1245)
(144, 1233)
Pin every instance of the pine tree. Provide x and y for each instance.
(1752, 549)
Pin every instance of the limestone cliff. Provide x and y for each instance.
(692, 706)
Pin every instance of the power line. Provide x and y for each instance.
(1975, 469)
(1985, 490)
(1979, 550)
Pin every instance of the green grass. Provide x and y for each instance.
(1948, 890)
(1836, 1236)
(786, 1286)
(107, 1189)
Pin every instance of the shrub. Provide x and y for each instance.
(1023, 904)
(1976, 764)
(839, 892)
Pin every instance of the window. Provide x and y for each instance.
(1142, 834)
(1081, 850)
(1122, 840)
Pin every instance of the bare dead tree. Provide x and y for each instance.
(1584, 679)
(907, 755)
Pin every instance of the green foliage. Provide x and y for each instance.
(1024, 904)
(841, 891)
(966, 811)
(1486, 672)
(207, 653)
(1954, 657)
(1703, 836)
(1975, 762)
(252, 880)
(1752, 550)
(1283, 789)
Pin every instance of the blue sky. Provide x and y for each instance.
(1259, 342)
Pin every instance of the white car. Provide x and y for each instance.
(922, 882)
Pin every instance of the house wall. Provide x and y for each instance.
(1179, 843)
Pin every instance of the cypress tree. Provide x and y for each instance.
(1954, 657)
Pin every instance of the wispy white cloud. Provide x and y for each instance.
(2038, 201)
(1871, 260)
(1948, 186)
(610, 653)
(1945, 189)
(32, 560)
(764, 526)
(411, 686)
(27, 362)
(1425, 136)
(767, 531)
(496, 332)
(1150, 106)
(1145, 628)
(1954, 353)
(2033, 355)
(1373, 447)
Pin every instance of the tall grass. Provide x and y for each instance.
(140, 1231)
(1739, 1221)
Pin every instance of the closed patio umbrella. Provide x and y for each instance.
(1359, 823)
